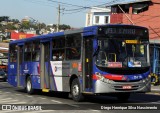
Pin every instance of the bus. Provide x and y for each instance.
(110, 59)
(155, 62)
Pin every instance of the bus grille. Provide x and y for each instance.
(120, 87)
(126, 81)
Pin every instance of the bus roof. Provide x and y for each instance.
(91, 30)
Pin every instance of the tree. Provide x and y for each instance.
(15, 21)
(64, 27)
(42, 25)
(25, 25)
(4, 18)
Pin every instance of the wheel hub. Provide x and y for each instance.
(75, 90)
(28, 85)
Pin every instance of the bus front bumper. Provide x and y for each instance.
(113, 87)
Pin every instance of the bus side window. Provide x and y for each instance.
(35, 51)
(58, 49)
(73, 53)
(73, 47)
(28, 51)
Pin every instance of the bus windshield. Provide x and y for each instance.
(121, 53)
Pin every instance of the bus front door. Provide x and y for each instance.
(44, 66)
(19, 66)
(88, 47)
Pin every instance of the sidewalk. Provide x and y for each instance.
(155, 88)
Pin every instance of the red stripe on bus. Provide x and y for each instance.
(110, 77)
(114, 77)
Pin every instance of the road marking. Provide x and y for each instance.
(43, 111)
(6, 111)
(42, 98)
(29, 96)
(56, 101)
(95, 110)
(18, 94)
(9, 101)
(6, 99)
(7, 92)
(17, 102)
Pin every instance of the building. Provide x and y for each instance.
(97, 16)
(20, 35)
(138, 12)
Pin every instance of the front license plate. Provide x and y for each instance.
(127, 87)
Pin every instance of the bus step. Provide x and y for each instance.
(45, 90)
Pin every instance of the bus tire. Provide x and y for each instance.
(29, 88)
(76, 91)
(123, 97)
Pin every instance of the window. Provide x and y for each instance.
(36, 51)
(125, 8)
(73, 47)
(117, 50)
(28, 51)
(58, 47)
(89, 19)
(13, 53)
(106, 19)
(114, 10)
(96, 19)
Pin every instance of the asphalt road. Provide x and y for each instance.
(57, 102)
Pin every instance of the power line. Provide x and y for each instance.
(66, 3)
(85, 7)
(74, 11)
(94, 1)
(79, 7)
(39, 2)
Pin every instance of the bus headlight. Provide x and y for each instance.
(102, 78)
(146, 79)
(99, 76)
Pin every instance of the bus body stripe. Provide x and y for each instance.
(109, 76)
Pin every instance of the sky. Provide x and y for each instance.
(73, 12)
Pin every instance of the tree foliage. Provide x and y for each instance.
(62, 27)
(4, 18)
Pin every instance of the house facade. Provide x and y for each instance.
(139, 12)
(98, 16)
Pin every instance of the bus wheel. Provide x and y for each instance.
(29, 88)
(123, 97)
(154, 79)
(75, 91)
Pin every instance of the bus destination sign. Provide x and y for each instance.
(124, 31)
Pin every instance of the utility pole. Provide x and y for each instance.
(58, 19)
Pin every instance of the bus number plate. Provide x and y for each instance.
(127, 87)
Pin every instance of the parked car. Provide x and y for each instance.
(3, 75)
